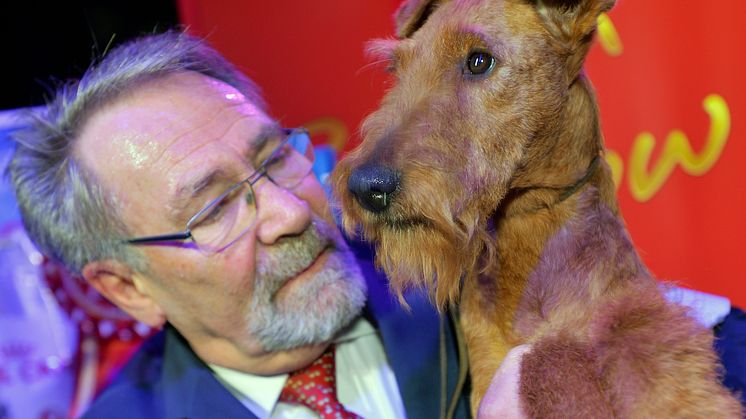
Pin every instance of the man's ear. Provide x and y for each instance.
(123, 287)
(572, 23)
(411, 15)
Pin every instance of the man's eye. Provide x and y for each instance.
(214, 213)
(266, 152)
(277, 157)
(217, 212)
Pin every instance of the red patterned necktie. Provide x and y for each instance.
(314, 388)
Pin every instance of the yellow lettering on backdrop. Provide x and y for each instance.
(608, 36)
(678, 151)
(334, 130)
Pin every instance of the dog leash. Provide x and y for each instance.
(582, 181)
(451, 314)
(567, 192)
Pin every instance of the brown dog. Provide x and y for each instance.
(481, 177)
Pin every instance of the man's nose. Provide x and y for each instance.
(279, 212)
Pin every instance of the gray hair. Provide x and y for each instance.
(67, 213)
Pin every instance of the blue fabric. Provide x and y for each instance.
(323, 165)
(8, 207)
(730, 344)
(165, 379)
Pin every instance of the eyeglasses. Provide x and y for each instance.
(229, 216)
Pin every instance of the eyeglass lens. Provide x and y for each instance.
(232, 214)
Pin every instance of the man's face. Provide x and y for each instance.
(168, 148)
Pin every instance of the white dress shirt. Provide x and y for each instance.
(365, 382)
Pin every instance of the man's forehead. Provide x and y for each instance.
(164, 113)
(166, 123)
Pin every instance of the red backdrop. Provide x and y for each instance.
(670, 85)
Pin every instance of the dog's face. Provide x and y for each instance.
(479, 83)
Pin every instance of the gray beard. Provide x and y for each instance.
(316, 309)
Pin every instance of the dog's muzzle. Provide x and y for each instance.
(373, 186)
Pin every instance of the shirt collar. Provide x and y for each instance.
(261, 393)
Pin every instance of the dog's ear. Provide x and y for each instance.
(572, 23)
(411, 15)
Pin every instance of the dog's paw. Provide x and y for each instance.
(502, 399)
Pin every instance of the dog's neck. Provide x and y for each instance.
(570, 180)
(562, 158)
(573, 187)
(560, 151)
(548, 197)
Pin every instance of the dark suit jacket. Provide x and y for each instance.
(165, 379)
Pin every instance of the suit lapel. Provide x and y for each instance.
(190, 389)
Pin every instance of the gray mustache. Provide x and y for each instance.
(291, 255)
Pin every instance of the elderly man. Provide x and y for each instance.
(161, 178)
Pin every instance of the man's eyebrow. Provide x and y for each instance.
(266, 133)
(188, 193)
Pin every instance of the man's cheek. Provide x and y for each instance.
(313, 193)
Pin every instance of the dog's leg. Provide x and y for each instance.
(640, 357)
(561, 378)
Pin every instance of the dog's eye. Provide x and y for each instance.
(479, 63)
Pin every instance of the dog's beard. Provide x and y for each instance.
(432, 253)
(430, 236)
(316, 309)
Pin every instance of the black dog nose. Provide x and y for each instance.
(373, 186)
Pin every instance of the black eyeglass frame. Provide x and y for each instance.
(251, 180)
